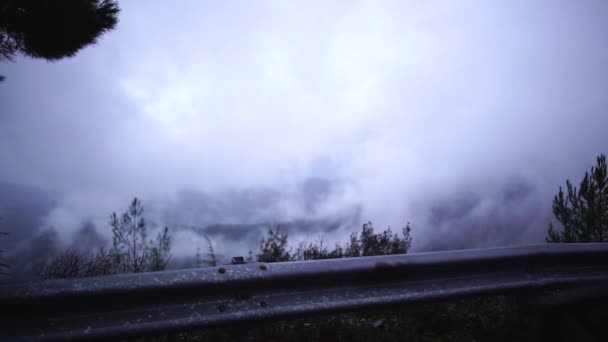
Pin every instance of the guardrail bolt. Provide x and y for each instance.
(263, 267)
(222, 270)
(263, 304)
(221, 308)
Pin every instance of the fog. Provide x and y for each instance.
(460, 117)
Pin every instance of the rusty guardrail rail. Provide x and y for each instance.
(167, 301)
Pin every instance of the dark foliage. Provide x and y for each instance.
(385, 243)
(131, 252)
(51, 29)
(274, 247)
(159, 251)
(311, 251)
(211, 257)
(3, 264)
(8, 47)
(583, 213)
(74, 264)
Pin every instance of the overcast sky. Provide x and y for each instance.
(419, 106)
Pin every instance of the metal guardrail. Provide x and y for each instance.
(184, 299)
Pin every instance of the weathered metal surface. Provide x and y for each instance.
(177, 300)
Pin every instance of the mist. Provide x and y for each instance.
(462, 118)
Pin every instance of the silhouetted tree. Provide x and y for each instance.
(311, 251)
(74, 264)
(3, 264)
(367, 243)
(131, 251)
(211, 257)
(385, 243)
(160, 251)
(197, 257)
(52, 29)
(583, 213)
(274, 247)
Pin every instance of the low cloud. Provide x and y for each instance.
(514, 212)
